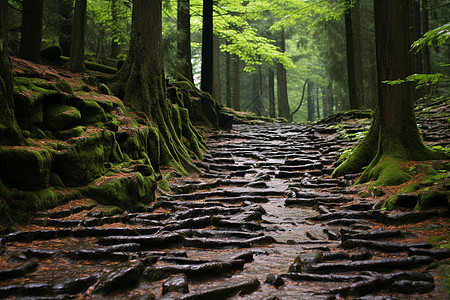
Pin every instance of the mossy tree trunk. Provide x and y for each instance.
(207, 47)
(65, 26)
(141, 80)
(394, 131)
(31, 33)
(77, 42)
(10, 133)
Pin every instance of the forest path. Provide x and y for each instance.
(264, 198)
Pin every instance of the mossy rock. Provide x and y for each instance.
(26, 202)
(72, 133)
(55, 180)
(52, 54)
(99, 67)
(104, 89)
(164, 185)
(433, 199)
(64, 86)
(25, 168)
(91, 111)
(124, 191)
(59, 117)
(84, 160)
(401, 200)
(113, 211)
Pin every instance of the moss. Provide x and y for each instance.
(164, 185)
(60, 117)
(411, 188)
(55, 180)
(104, 89)
(433, 199)
(124, 191)
(390, 203)
(91, 111)
(64, 86)
(25, 168)
(26, 202)
(98, 67)
(387, 172)
(378, 192)
(72, 133)
(113, 211)
(52, 54)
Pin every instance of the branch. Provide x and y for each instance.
(301, 100)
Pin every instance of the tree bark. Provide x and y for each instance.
(262, 108)
(310, 98)
(354, 64)
(31, 33)
(228, 78)
(77, 42)
(282, 95)
(236, 84)
(207, 47)
(65, 26)
(272, 113)
(425, 50)
(216, 70)
(394, 131)
(115, 46)
(318, 103)
(10, 133)
(184, 45)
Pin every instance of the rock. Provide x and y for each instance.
(75, 285)
(365, 255)
(360, 288)
(176, 284)
(23, 269)
(437, 253)
(382, 246)
(338, 255)
(374, 234)
(122, 277)
(225, 290)
(411, 287)
(274, 280)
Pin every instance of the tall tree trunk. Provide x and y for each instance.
(394, 131)
(207, 47)
(318, 103)
(216, 70)
(354, 65)
(115, 46)
(272, 112)
(77, 42)
(184, 45)
(10, 133)
(65, 25)
(262, 108)
(141, 82)
(310, 98)
(425, 50)
(331, 103)
(325, 101)
(282, 95)
(31, 33)
(228, 78)
(236, 84)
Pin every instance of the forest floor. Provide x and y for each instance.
(262, 220)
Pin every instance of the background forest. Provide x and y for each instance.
(259, 45)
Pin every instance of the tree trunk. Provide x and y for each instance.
(141, 82)
(331, 104)
(262, 108)
(65, 25)
(283, 102)
(272, 113)
(184, 45)
(354, 65)
(236, 84)
(10, 133)
(394, 131)
(216, 70)
(310, 101)
(228, 78)
(115, 46)
(77, 42)
(425, 50)
(325, 101)
(207, 47)
(31, 33)
(318, 103)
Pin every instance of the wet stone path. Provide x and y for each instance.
(263, 221)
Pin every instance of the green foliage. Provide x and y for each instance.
(436, 37)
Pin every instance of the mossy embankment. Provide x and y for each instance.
(82, 142)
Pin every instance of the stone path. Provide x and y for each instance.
(263, 221)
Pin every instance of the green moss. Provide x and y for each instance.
(104, 89)
(25, 168)
(26, 202)
(91, 111)
(55, 180)
(390, 203)
(59, 117)
(164, 185)
(378, 192)
(64, 86)
(433, 199)
(411, 188)
(52, 54)
(113, 211)
(98, 67)
(436, 239)
(72, 133)
(387, 172)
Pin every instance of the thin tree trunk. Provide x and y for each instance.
(207, 47)
(184, 45)
(262, 108)
(31, 33)
(356, 21)
(310, 91)
(65, 26)
(318, 103)
(77, 42)
(331, 104)
(115, 46)
(216, 70)
(237, 84)
(10, 133)
(283, 102)
(325, 101)
(228, 78)
(272, 113)
(425, 50)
